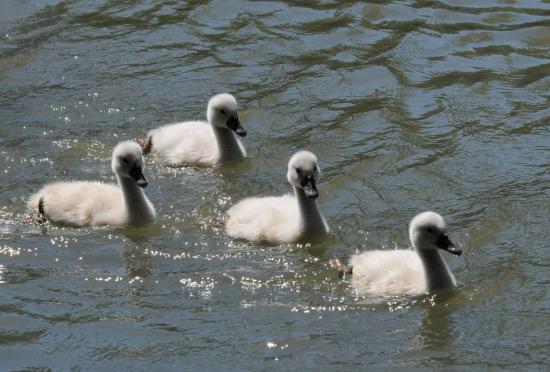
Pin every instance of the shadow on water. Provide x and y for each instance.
(408, 105)
(437, 327)
(236, 167)
(137, 262)
(141, 235)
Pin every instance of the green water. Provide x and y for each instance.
(409, 106)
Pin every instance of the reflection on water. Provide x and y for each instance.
(437, 328)
(137, 263)
(408, 106)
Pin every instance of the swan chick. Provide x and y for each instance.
(84, 203)
(406, 272)
(203, 143)
(287, 218)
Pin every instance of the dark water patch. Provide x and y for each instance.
(409, 106)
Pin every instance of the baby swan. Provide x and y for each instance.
(81, 203)
(283, 219)
(199, 142)
(407, 272)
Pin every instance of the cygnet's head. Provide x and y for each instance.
(222, 113)
(128, 162)
(303, 173)
(427, 231)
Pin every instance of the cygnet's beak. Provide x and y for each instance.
(444, 243)
(308, 184)
(137, 175)
(234, 124)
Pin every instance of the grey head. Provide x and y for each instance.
(222, 113)
(127, 162)
(428, 231)
(304, 172)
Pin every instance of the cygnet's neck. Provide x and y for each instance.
(438, 275)
(138, 207)
(228, 144)
(312, 220)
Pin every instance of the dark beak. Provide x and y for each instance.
(137, 175)
(444, 243)
(309, 188)
(234, 124)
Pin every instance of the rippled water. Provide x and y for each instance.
(409, 106)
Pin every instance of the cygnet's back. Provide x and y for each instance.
(388, 273)
(271, 219)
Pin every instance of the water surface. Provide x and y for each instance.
(409, 106)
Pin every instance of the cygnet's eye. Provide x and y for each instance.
(298, 170)
(222, 111)
(315, 168)
(125, 161)
(430, 230)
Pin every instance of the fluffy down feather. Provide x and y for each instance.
(81, 203)
(191, 142)
(271, 219)
(388, 273)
